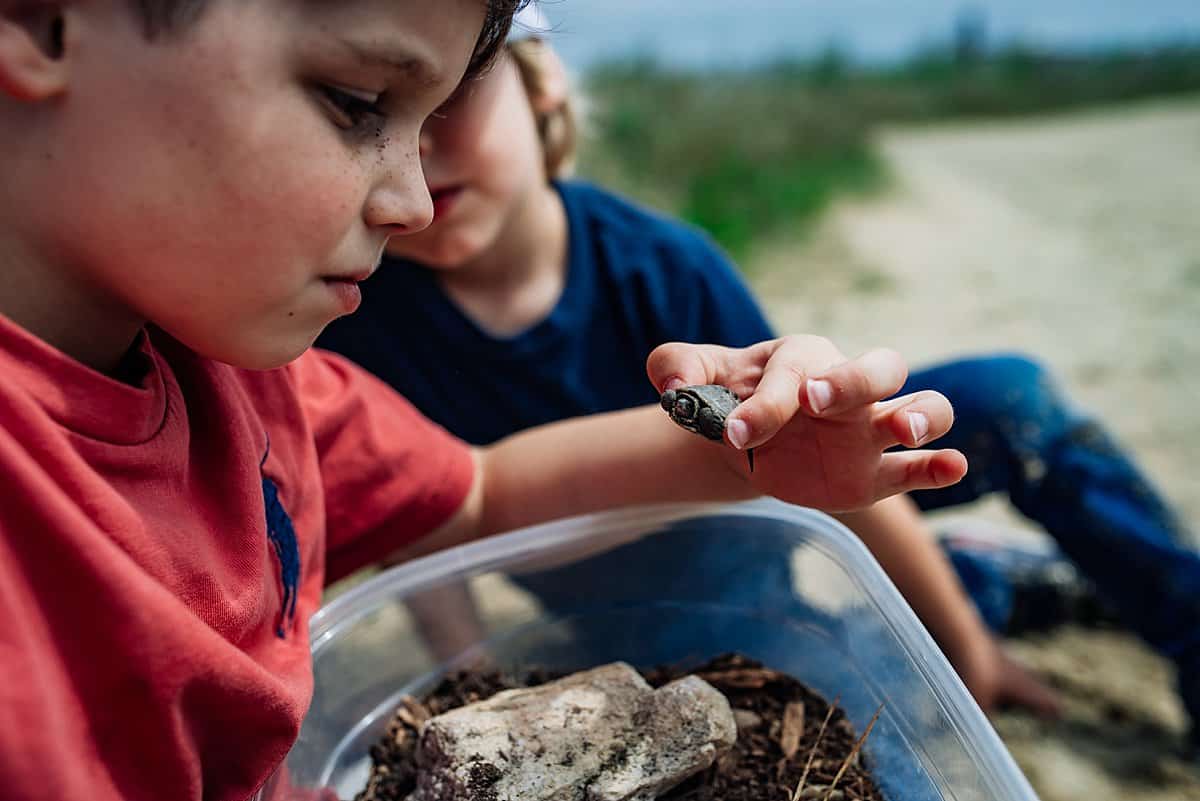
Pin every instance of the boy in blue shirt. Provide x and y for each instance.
(561, 288)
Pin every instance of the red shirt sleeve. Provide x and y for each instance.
(390, 474)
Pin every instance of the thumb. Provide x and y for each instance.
(678, 364)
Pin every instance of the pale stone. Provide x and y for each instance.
(598, 735)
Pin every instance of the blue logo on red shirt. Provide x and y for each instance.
(283, 539)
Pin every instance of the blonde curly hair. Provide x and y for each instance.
(559, 128)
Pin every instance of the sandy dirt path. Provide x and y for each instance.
(1075, 238)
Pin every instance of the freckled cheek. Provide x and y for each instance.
(316, 204)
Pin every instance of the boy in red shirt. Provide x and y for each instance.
(191, 191)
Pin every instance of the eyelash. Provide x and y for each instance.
(354, 110)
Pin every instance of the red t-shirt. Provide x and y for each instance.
(148, 564)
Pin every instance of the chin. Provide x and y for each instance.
(263, 340)
(273, 359)
(443, 253)
(258, 353)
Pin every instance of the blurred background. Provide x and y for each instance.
(951, 179)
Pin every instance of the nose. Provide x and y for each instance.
(399, 199)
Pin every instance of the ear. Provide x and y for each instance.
(554, 87)
(32, 62)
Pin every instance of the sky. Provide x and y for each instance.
(701, 33)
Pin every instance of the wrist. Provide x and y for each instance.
(967, 642)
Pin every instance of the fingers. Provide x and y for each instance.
(918, 470)
(777, 397)
(780, 378)
(875, 375)
(809, 374)
(912, 420)
(1015, 685)
(1028, 692)
(678, 364)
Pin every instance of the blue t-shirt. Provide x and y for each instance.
(634, 281)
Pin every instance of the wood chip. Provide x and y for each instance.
(793, 729)
(412, 712)
(746, 719)
(741, 678)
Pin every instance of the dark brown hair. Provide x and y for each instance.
(165, 16)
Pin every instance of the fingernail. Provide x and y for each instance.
(674, 383)
(739, 433)
(919, 425)
(820, 395)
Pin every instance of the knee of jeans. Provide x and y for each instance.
(1011, 385)
(1188, 679)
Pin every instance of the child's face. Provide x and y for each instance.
(231, 184)
(483, 161)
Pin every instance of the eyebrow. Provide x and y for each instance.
(411, 67)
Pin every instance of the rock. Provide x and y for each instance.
(598, 735)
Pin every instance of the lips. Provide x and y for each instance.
(344, 287)
(444, 199)
(345, 291)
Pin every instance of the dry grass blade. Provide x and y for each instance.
(853, 752)
(793, 729)
(813, 753)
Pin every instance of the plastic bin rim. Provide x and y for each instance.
(979, 738)
(485, 554)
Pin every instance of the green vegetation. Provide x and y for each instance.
(739, 154)
(749, 154)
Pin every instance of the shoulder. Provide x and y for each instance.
(666, 270)
(640, 236)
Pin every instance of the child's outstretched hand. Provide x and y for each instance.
(817, 421)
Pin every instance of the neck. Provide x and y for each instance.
(48, 303)
(516, 282)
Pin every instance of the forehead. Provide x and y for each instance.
(431, 40)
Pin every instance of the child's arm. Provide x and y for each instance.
(831, 459)
(897, 535)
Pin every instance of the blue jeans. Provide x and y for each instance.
(1060, 468)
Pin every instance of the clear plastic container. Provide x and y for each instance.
(654, 585)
